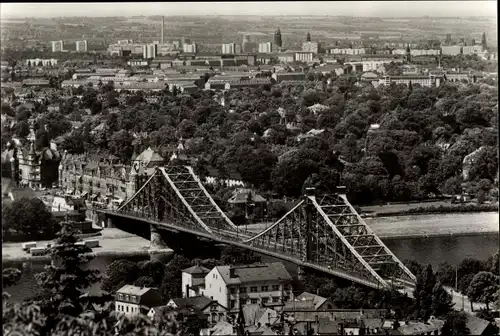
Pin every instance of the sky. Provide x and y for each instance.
(333, 8)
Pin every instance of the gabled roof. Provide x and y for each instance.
(254, 273)
(149, 156)
(18, 193)
(196, 270)
(476, 325)
(200, 302)
(316, 299)
(133, 290)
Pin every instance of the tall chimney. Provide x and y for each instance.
(162, 29)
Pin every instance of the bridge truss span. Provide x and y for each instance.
(324, 233)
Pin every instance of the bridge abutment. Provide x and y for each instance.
(158, 248)
(109, 223)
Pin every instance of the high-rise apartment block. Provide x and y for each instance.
(149, 51)
(228, 48)
(190, 48)
(310, 47)
(266, 47)
(57, 46)
(81, 46)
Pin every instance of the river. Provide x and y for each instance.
(432, 250)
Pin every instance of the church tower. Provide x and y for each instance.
(277, 39)
(408, 54)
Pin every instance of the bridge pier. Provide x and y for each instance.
(300, 273)
(158, 248)
(109, 223)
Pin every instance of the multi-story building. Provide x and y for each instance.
(348, 51)
(57, 46)
(190, 48)
(81, 46)
(29, 167)
(425, 52)
(93, 177)
(228, 48)
(304, 56)
(149, 51)
(132, 300)
(288, 76)
(429, 81)
(266, 47)
(311, 47)
(233, 286)
(451, 50)
(472, 49)
(39, 61)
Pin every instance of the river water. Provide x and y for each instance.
(432, 250)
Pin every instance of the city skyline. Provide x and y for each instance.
(320, 8)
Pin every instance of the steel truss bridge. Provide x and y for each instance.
(324, 233)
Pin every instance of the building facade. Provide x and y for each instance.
(228, 48)
(428, 81)
(311, 47)
(234, 286)
(190, 48)
(29, 167)
(57, 46)
(265, 47)
(131, 300)
(81, 46)
(149, 51)
(304, 56)
(105, 180)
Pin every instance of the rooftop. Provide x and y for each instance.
(254, 273)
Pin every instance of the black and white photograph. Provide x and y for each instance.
(250, 168)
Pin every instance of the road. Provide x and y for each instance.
(457, 300)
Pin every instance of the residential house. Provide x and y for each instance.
(318, 302)
(233, 286)
(249, 201)
(134, 300)
(478, 326)
(212, 310)
(192, 278)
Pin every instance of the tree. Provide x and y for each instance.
(120, 144)
(25, 218)
(10, 277)
(119, 273)
(446, 274)
(232, 255)
(483, 288)
(455, 324)
(65, 280)
(441, 301)
(423, 293)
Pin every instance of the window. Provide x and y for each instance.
(232, 304)
(127, 309)
(232, 290)
(286, 298)
(127, 297)
(254, 301)
(265, 288)
(243, 289)
(134, 298)
(265, 300)
(213, 275)
(253, 289)
(276, 299)
(276, 287)
(248, 301)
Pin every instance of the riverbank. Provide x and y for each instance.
(425, 208)
(112, 242)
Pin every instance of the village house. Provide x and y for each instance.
(232, 286)
(132, 300)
